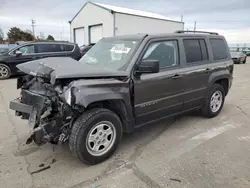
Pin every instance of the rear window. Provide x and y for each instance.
(219, 49)
(195, 50)
(46, 48)
(69, 47)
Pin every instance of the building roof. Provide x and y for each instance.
(122, 10)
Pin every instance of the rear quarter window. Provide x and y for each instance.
(69, 47)
(219, 49)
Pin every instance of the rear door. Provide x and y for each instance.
(197, 71)
(158, 95)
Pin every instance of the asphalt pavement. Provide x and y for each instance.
(186, 151)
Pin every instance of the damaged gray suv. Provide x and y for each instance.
(120, 84)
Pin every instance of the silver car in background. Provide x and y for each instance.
(238, 57)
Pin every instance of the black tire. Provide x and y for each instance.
(83, 126)
(244, 62)
(206, 109)
(6, 75)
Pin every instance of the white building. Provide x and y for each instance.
(96, 20)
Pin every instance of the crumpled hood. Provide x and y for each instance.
(65, 67)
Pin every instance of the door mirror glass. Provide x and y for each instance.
(148, 66)
(18, 53)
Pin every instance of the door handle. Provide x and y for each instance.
(176, 76)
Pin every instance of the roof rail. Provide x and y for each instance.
(206, 32)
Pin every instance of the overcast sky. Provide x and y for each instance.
(229, 17)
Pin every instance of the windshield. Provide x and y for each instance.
(110, 54)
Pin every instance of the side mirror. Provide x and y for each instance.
(148, 66)
(18, 53)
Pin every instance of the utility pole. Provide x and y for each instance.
(33, 26)
(183, 23)
(194, 26)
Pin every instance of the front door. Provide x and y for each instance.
(28, 54)
(158, 95)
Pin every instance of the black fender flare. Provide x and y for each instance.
(223, 74)
(121, 101)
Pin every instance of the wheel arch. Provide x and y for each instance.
(118, 107)
(5, 63)
(221, 77)
(224, 82)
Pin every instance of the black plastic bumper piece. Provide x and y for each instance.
(20, 107)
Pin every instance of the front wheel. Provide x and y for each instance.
(95, 135)
(215, 101)
(5, 71)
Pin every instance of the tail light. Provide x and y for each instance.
(81, 52)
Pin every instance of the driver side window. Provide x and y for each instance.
(29, 49)
(165, 51)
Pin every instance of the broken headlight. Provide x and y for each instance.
(69, 96)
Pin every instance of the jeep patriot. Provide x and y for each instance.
(120, 84)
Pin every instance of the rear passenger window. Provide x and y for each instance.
(165, 51)
(219, 49)
(45, 48)
(195, 50)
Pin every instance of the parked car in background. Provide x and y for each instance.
(238, 57)
(247, 51)
(122, 83)
(33, 51)
(84, 49)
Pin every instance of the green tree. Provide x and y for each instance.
(14, 34)
(27, 36)
(28, 31)
(50, 37)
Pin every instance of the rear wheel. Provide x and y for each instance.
(5, 71)
(215, 101)
(95, 135)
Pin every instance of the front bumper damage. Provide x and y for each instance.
(24, 110)
(20, 107)
(46, 117)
